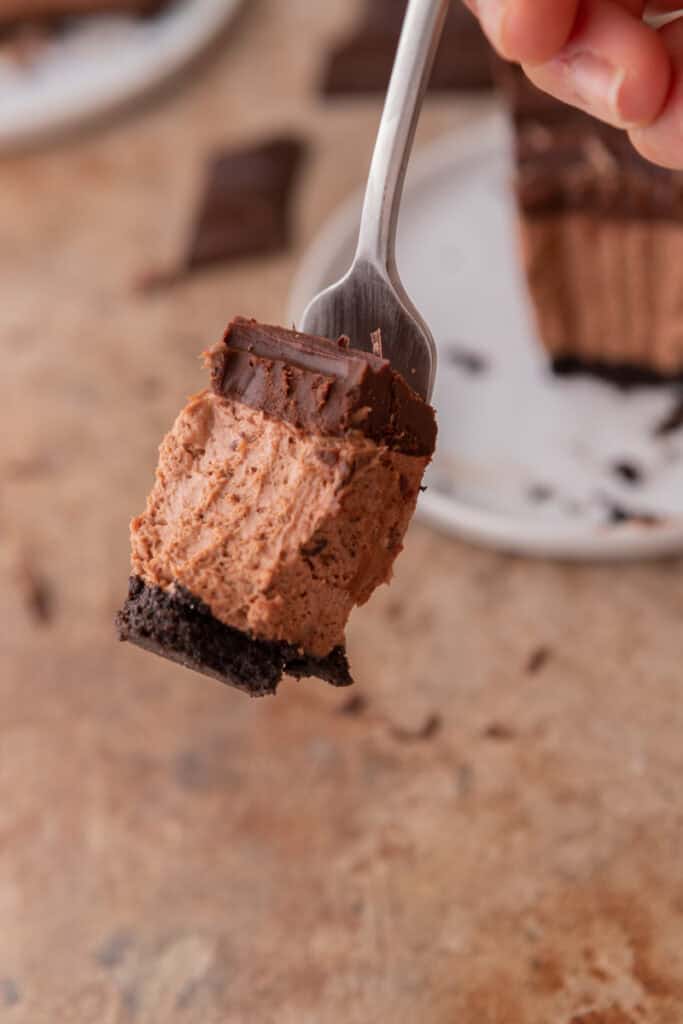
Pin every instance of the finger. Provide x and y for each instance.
(614, 66)
(662, 141)
(526, 30)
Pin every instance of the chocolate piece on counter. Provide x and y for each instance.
(245, 209)
(321, 386)
(362, 63)
(181, 628)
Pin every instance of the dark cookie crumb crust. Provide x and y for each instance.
(179, 626)
(623, 375)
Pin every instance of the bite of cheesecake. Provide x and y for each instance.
(281, 500)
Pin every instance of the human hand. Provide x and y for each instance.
(600, 56)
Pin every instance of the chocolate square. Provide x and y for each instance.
(362, 62)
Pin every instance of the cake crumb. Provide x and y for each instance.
(499, 732)
(354, 707)
(537, 660)
(38, 594)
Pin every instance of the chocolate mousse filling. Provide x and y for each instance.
(281, 500)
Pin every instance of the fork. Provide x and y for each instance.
(371, 297)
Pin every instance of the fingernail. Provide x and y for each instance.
(490, 13)
(595, 82)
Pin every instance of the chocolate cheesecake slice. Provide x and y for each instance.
(281, 500)
(602, 237)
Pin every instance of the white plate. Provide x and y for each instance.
(99, 62)
(513, 429)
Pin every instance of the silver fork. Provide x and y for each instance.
(371, 296)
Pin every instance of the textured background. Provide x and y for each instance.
(494, 837)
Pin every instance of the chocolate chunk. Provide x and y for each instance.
(245, 206)
(244, 211)
(329, 389)
(180, 627)
(362, 62)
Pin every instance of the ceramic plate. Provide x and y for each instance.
(527, 462)
(99, 62)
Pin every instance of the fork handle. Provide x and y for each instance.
(420, 36)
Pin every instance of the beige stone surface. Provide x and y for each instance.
(496, 837)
